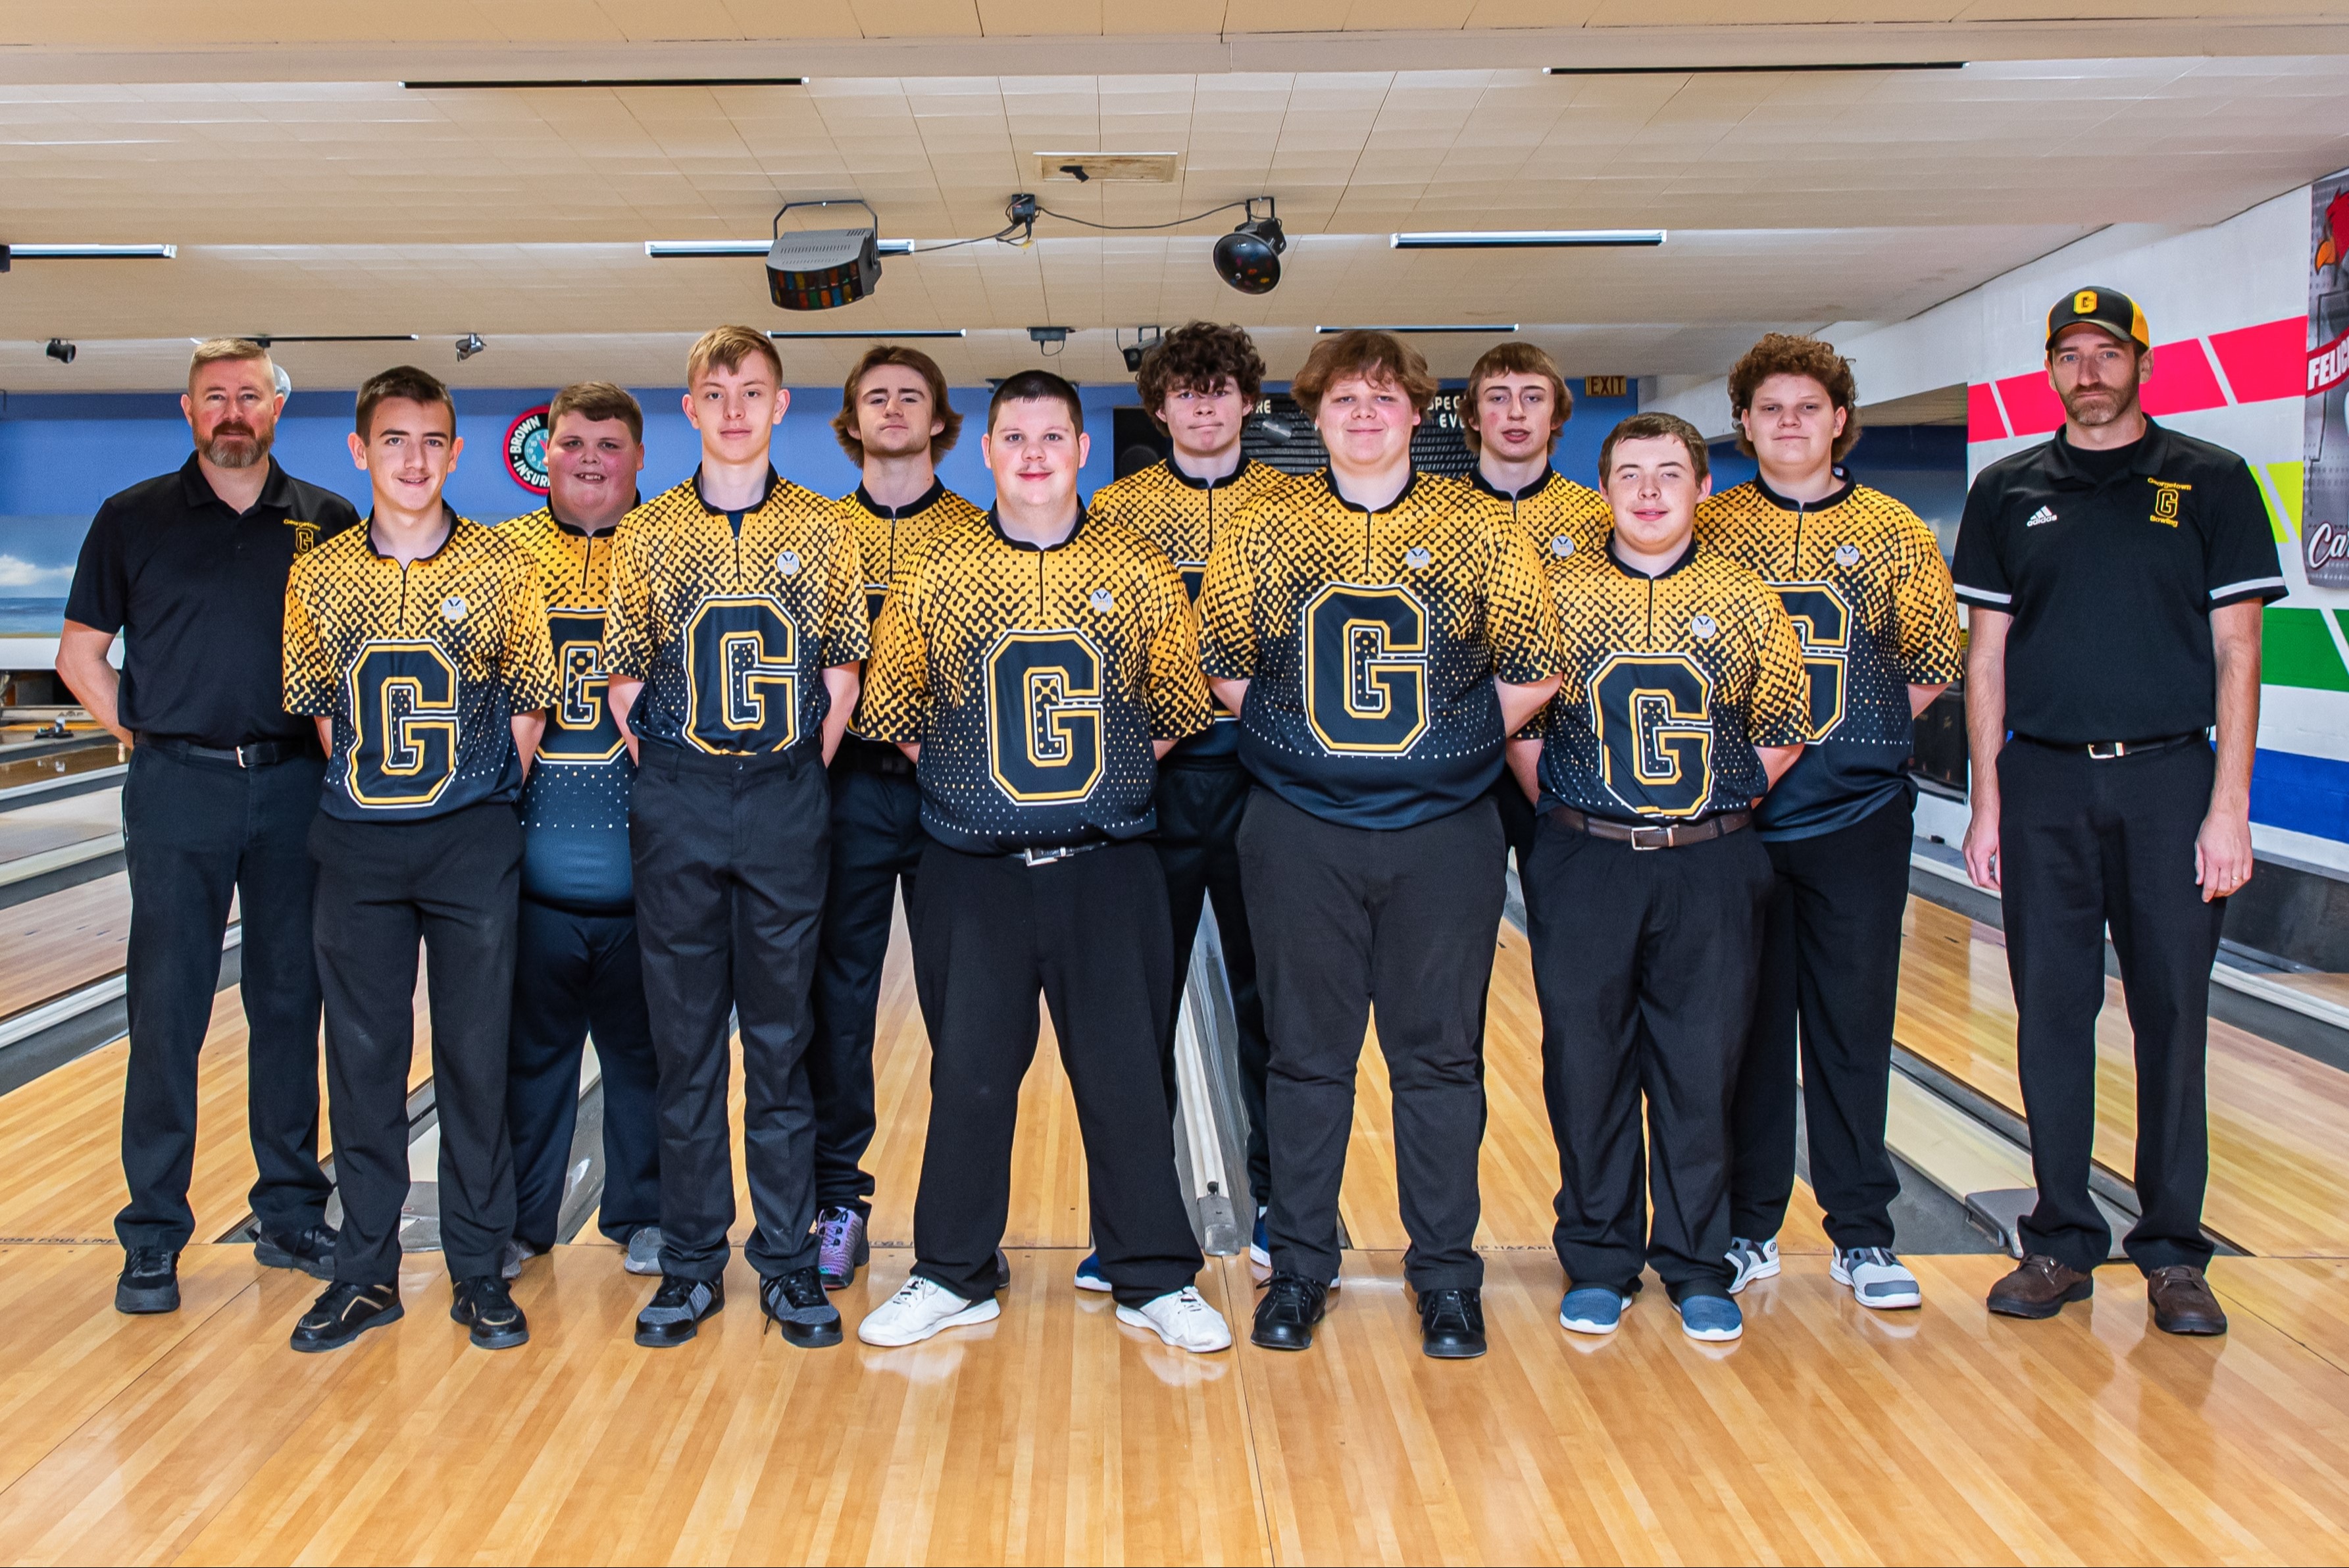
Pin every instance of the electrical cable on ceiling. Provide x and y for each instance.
(1176, 223)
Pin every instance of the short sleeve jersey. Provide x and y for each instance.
(1864, 582)
(1182, 516)
(1370, 642)
(421, 668)
(1035, 681)
(1672, 682)
(2111, 582)
(1562, 518)
(886, 538)
(731, 628)
(574, 807)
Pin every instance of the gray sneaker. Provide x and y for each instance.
(516, 1254)
(643, 1250)
(840, 1247)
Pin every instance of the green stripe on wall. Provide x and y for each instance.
(2296, 650)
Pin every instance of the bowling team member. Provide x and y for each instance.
(735, 629)
(2115, 576)
(217, 805)
(419, 643)
(1865, 585)
(1379, 631)
(1034, 663)
(894, 423)
(1199, 384)
(1683, 701)
(577, 971)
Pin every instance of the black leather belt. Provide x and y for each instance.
(252, 755)
(1675, 836)
(2110, 751)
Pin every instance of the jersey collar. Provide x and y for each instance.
(1330, 479)
(1477, 477)
(1188, 483)
(1836, 497)
(276, 491)
(1084, 515)
(2151, 452)
(636, 499)
(1687, 556)
(922, 502)
(447, 515)
(765, 495)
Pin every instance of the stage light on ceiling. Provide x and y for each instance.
(1523, 239)
(1145, 339)
(1248, 258)
(61, 352)
(467, 346)
(824, 269)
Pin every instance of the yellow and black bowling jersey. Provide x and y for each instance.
(574, 808)
(732, 629)
(421, 668)
(886, 538)
(1180, 514)
(1370, 642)
(1562, 518)
(1670, 683)
(1869, 595)
(1035, 681)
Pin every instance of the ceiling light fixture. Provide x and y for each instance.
(1430, 326)
(61, 352)
(877, 334)
(1523, 239)
(1753, 71)
(702, 250)
(1248, 258)
(1051, 340)
(467, 346)
(823, 269)
(12, 253)
(489, 84)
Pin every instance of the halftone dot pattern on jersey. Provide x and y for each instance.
(582, 775)
(1562, 518)
(886, 544)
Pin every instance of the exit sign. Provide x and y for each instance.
(1605, 386)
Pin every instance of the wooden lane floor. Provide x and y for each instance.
(1828, 1434)
(39, 827)
(2278, 1120)
(61, 942)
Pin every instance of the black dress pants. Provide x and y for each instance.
(1089, 932)
(730, 853)
(1645, 961)
(1405, 919)
(1199, 813)
(1830, 977)
(876, 843)
(196, 834)
(2085, 845)
(576, 975)
(455, 881)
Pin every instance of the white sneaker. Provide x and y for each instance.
(1751, 1261)
(921, 1308)
(1876, 1277)
(1183, 1320)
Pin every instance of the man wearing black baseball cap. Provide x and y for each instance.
(2115, 576)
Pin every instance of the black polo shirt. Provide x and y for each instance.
(2111, 581)
(199, 594)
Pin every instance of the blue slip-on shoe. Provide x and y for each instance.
(1711, 1318)
(1592, 1309)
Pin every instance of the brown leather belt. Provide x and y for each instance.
(1675, 836)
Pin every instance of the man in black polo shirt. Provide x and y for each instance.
(2116, 576)
(222, 785)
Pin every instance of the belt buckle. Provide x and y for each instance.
(1663, 840)
(2112, 750)
(239, 759)
(1034, 857)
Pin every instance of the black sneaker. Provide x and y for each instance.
(312, 1250)
(150, 1280)
(796, 1304)
(342, 1313)
(1451, 1323)
(1002, 1269)
(676, 1310)
(1292, 1304)
(485, 1305)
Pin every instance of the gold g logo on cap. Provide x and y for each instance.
(2085, 302)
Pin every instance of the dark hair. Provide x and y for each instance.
(404, 382)
(843, 423)
(1035, 386)
(1199, 357)
(1785, 354)
(597, 401)
(1516, 358)
(1651, 427)
(1374, 357)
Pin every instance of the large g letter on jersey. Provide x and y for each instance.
(1823, 622)
(403, 703)
(741, 663)
(1654, 715)
(1366, 668)
(1044, 715)
(580, 728)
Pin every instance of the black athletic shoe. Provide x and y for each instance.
(149, 1281)
(796, 1304)
(1292, 1304)
(485, 1305)
(1451, 1323)
(1002, 1269)
(311, 1251)
(675, 1313)
(342, 1313)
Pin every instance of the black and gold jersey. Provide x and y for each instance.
(885, 540)
(1670, 683)
(1035, 681)
(1180, 515)
(1370, 642)
(574, 807)
(731, 627)
(421, 668)
(1562, 518)
(1864, 582)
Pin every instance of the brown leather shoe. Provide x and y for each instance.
(2183, 1302)
(2039, 1287)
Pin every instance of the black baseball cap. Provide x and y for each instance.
(2109, 308)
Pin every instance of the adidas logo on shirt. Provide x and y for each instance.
(2044, 514)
